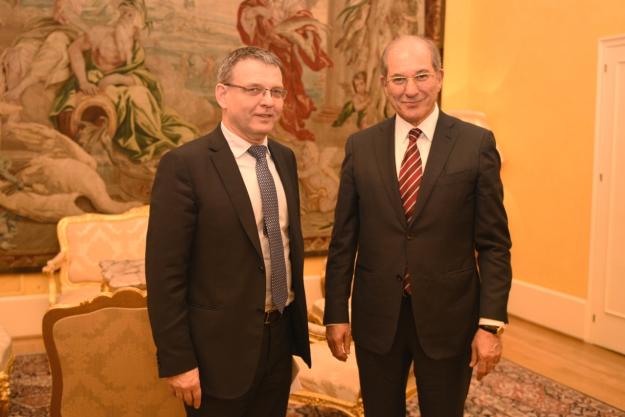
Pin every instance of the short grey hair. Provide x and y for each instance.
(224, 72)
(436, 55)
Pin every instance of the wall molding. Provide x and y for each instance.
(21, 315)
(549, 308)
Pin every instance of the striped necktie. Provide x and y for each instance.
(410, 174)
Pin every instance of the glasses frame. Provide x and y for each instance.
(418, 79)
(256, 91)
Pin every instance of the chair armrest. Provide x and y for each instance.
(54, 264)
(49, 269)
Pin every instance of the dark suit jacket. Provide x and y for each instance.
(456, 247)
(204, 266)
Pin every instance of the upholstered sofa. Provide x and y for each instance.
(98, 252)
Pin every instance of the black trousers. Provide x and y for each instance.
(269, 393)
(442, 385)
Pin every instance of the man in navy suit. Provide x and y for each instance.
(421, 244)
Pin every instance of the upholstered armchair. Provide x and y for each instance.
(102, 359)
(98, 251)
(329, 383)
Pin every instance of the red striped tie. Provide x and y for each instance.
(410, 174)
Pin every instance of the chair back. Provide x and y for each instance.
(103, 360)
(93, 242)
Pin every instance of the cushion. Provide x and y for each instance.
(329, 376)
(123, 273)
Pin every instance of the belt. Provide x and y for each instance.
(272, 316)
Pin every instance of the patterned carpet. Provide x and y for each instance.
(511, 391)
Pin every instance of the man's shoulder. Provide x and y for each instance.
(378, 131)
(213, 139)
(453, 122)
(279, 147)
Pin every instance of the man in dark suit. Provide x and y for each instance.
(420, 225)
(224, 259)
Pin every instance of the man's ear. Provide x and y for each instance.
(220, 95)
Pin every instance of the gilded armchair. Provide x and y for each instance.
(90, 244)
(103, 361)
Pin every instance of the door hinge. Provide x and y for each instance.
(600, 177)
(605, 67)
(594, 318)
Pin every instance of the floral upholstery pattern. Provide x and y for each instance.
(103, 360)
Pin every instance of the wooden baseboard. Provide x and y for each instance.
(552, 309)
(21, 315)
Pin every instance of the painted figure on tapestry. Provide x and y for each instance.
(114, 65)
(288, 29)
(358, 103)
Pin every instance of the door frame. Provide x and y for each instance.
(599, 228)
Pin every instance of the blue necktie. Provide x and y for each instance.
(269, 198)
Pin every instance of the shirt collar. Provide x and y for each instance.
(238, 145)
(427, 126)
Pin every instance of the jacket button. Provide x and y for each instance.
(399, 277)
(262, 268)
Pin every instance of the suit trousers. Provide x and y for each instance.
(442, 384)
(269, 393)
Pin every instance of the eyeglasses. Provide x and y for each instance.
(255, 90)
(402, 80)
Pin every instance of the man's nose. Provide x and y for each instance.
(412, 87)
(266, 99)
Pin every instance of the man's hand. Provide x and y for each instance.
(88, 88)
(186, 387)
(485, 352)
(339, 338)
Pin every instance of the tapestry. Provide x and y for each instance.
(94, 92)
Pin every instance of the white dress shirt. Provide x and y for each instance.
(247, 167)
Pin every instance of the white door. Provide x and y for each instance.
(606, 318)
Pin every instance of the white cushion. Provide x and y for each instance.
(330, 376)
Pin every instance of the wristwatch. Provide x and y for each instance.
(496, 330)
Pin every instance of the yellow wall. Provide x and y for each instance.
(531, 66)
(23, 284)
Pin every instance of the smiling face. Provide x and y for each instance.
(415, 100)
(250, 117)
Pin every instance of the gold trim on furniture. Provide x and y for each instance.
(104, 377)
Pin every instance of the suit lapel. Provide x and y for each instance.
(227, 168)
(442, 143)
(385, 154)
